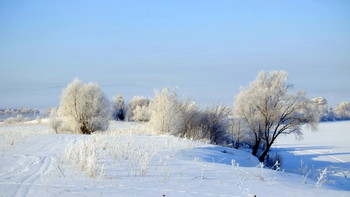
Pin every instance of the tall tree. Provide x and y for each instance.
(269, 109)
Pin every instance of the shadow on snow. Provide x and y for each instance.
(303, 161)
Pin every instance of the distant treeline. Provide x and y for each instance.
(19, 111)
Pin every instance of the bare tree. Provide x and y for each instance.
(86, 106)
(269, 110)
(239, 132)
(214, 124)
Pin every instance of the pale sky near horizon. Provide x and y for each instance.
(209, 49)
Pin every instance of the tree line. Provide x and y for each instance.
(262, 111)
(19, 111)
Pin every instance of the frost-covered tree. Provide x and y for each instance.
(342, 111)
(165, 112)
(136, 101)
(269, 109)
(119, 108)
(87, 108)
(322, 107)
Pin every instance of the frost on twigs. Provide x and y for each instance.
(171, 115)
(322, 178)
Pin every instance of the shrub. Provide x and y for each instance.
(342, 111)
(13, 120)
(87, 108)
(165, 112)
(141, 114)
(83, 156)
(136, 101)
(211, 125)
(169, 115)
(54, 121)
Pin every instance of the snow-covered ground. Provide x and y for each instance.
(129, 161)
(328, 147)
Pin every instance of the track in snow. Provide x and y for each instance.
(37, 158)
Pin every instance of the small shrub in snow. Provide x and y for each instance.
(83, 156)
(321, 178)
(55, 122)
(13, 120)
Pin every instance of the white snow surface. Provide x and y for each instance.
(131, 162)
(328, 147)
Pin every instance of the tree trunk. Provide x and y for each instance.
(255, 148)
(263, 155)
(84, 129)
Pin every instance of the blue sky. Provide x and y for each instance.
(206, 48)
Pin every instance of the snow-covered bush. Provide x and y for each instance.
(210, 125)
(55, 121)
(83, 156)
(136, 101)
(141, 114)
(191, 117)
(342, 111)
(322, 107)
(119, 108)
(169, 115)
(165, 112)
(13, 120)
(87, 108)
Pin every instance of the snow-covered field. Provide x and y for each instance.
(128, 160)
(328, 147)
